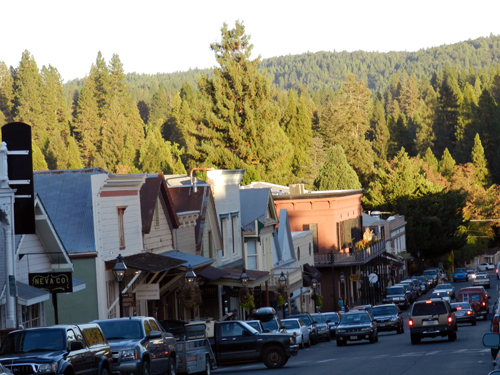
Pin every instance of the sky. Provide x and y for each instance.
(165, 36)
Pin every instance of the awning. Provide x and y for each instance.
(29, 295)
(309, 273)
(233, 277)
(78, 285)
(213, 273)
(395, 260)
(150, 262)
(195, 261)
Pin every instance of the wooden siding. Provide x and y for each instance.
(34, 260)
(186, 241)
(159, 239)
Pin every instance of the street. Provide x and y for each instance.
(394, 354)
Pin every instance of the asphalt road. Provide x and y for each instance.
(393, 354)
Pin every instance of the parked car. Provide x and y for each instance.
(140, 345)
(409, 291)
(362, 307)
(321, 326)
(269, 319)
(388, 318)
(460, 274)
(465, 312)
(332, 319)
(309, 322)
(482, 279)
(434, 274)
(299, 330)
(61, 349)
(477, 297)
(496, 270)
(485, 267)
(356, 326)
(256, 324)
(432, 318)
(425, 283)
(415, 288)
(446, 287)
(398, 296)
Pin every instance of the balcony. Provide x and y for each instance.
(350, 258)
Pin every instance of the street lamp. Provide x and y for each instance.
(314, 284)
(282, 282)
(244, 277)
(342, 282)
(119, 271)
(190, 276)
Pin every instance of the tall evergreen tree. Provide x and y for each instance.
(446, 117)
(480, 164)
(447, 164)
(346, 121)
(6, 93)
(158, 155)
(336, 173)
(238, 117)
(430, 159)
(381, 135)
(87, 127)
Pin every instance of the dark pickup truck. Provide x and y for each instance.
(140, 346)
(62, 349)
(235, 341)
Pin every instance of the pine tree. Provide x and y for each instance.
(237, 115)
(39, 163)
(381, 135)
(447, 164)
(6, 93)
(158, 155)
(430, 159)
(160, 111)
(481, 166)
(87, 127)
(336, 173)
(74, 158)
(346, 121)
(465, 121)
(409, 96)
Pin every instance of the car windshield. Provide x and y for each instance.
(461, 305)
(290, 324)
(395, 290)
(334, 318)
(271, 325)
(123, 329)
(255, 325)
(355, 319)
(460, 270)
(318, 318)
(384, 310)
(305, 319)
(429, 308)
(250, 328)
(33, 341)
(443, 286)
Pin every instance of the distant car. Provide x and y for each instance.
(444, 295)
(472, 274)
(322, 327)
(482, 280)
(362, 307)
(388, 318)
(485, 267)
(397, 295)
(465, 312)
(490, 266)
(299, 330)
(425, 283)
(460, 274)
(309, 322)
(332, 319)
(477, 297)
(355, 326)
(269, 319)
(445, 287)
(255, 324)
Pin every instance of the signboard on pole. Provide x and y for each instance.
(54, 282)
(147, 292)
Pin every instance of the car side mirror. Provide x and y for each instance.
(154, 335)
(282, 329)
(76, 345)
(453, 309)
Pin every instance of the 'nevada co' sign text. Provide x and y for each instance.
(55, 282)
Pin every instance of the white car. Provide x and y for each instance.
(444, 288)
(485, 267)
(443, 294)
(298, 329)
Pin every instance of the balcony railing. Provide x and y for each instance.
(350, 258)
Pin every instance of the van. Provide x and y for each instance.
(477, 297)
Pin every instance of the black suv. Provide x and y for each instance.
(309, 322)
(432, 318)
(61, 349)
(398, 296)
(140, 346)
(388, 318)
(357, 325)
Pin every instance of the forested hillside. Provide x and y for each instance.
(407, 127)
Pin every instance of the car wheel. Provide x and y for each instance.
(340, 342)
(474, 321)
(452, 336)
(415, 339)
(328, 338)
(274, 357)
(301, 345)
(104, 371)
(208, 368)
(399, 330)
(145, 368)
(372, 339)
(308, 343)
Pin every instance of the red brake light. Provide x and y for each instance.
(469, 312)
(450, 319)
(410, 322)
(459, 307)
(428, 301)
(484, 303)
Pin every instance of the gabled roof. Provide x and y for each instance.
(154, 188)
(285, 234)
(67, 198)
(255, 204)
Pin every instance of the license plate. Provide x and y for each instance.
(429, 322)
(354, 337)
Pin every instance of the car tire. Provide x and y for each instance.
(452, 336)
(308, 343)
(274, 357)
(415, 339)
(104, 371)
(372, 339)
(400, 330)
(145, 369)
(474, 321)
(328, 338)
(340, 342)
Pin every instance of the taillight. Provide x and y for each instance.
(410, 322)
(295, 334)
(450, 319)
(484, 303)
(494, 324)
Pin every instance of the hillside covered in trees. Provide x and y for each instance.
(418, 131)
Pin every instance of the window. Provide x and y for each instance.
(71, 337)
(314, 228)
(224, 234)
(31, 316)
(232, 329)
(121, 227)
(251, 255)
(147, 328)
(235, 232)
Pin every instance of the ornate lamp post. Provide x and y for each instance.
(190, 276)
(119, 271)
(314, 284)
(244, 277)
(282, 281)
